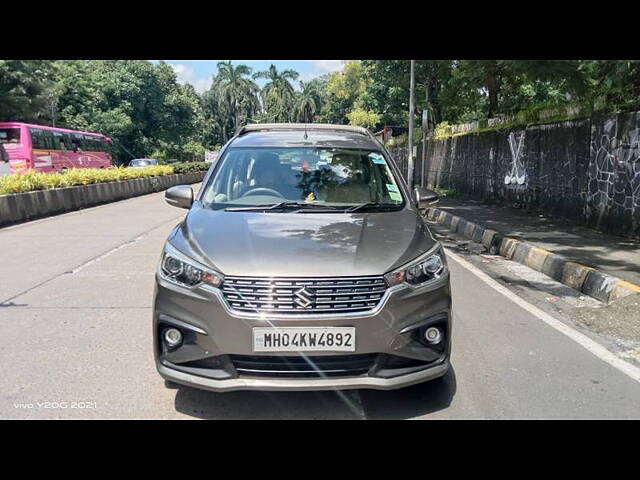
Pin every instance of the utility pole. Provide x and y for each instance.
(411, 107)
(425, 127)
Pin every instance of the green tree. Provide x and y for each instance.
(308, 102)
(344, 88)
(236, 91)
(278, 94)
(612, 85)
(364, 118)
(23, 90)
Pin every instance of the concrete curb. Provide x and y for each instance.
(22, 207)
(588, 280)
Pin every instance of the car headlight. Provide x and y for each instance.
(423, 269)
(184, 271)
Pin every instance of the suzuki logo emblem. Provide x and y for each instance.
(303, 299)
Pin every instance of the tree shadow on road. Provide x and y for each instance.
(409, 402)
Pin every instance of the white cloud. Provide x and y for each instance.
(327, 66)
(320, 67)
(186, 74)
(305, 77)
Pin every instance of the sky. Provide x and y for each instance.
(199, 72)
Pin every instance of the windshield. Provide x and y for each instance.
(322, 176)
(9, 135)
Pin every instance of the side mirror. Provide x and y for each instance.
(179, 196)
(425, 197)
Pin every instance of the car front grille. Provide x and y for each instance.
(303, 295)
(303, 366)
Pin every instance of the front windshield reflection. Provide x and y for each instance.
(319, 176)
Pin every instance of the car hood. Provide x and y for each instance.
(290, 244)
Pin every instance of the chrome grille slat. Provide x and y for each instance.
(298, 286)
(323, 294)
(318, 293)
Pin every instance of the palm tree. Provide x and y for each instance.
(278, 88)
(308, 103)
(235, 91)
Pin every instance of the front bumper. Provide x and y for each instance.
(282, 384)
(213, 332)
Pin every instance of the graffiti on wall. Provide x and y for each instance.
(614, 173)
(517, 175)
(587, 170)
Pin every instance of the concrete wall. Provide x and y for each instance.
(584, 170)
(21, 207)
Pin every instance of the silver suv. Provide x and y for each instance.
(302, 264)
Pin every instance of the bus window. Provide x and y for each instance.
(67, 141)
(77, 142)
(58, 141)
(9, 135)
(48, 140)
(92, 143)
(37, 139)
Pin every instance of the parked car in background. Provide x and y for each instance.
(302, 264)
(142, 162)
(210, 157)
(49, 149)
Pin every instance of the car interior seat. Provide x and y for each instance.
(352, 188)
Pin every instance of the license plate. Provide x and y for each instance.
(304, 339)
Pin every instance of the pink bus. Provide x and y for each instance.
(50, 149)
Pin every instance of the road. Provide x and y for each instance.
(75, 313)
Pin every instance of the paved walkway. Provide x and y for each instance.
(614, 255)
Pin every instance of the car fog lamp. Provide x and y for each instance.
(433, 335)
(172, 337)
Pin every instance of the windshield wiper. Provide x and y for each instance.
(370, 205)
(268, 206)
(281, 205)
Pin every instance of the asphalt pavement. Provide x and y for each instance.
(75, 340)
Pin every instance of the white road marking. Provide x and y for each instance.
(106, 254)
(594, 347)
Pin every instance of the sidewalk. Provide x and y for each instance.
(613, 255)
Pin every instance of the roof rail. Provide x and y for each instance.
(261, 127)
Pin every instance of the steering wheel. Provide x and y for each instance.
(261, 189)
